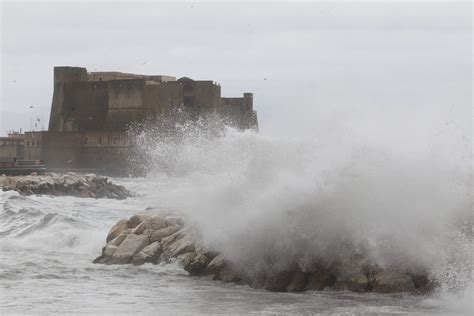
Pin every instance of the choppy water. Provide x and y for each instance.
(241, 195)
(47, 245)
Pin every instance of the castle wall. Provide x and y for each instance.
(107, 150)
(125, 103)
(207, 96)
(84, 106)
(239, 111)
(161, 98)
(62, 75)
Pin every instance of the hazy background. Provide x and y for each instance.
(397, 69)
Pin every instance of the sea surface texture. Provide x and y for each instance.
(251, 196)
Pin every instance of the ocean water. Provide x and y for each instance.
(252, 197)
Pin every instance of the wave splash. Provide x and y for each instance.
(271, 204)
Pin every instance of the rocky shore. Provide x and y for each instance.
(165, 237)
(69, 184)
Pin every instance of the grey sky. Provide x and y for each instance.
(312, 67)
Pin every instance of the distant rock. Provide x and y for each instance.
(69, 184)
(165, 237)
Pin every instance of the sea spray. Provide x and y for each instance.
(272, 204)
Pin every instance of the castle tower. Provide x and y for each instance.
(62, 75)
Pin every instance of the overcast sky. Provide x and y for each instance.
(312, 67)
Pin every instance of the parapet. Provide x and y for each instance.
(69, 74)
(114, 75)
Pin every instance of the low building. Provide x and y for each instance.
(12, 147)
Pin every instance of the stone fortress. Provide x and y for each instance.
(91, 111)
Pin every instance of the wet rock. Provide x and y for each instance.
(149, 254)
(128, 248)
(120, 238)
(298, 282)
(118, 228)
(355, 281)
(198, 265)
(216, 265)
(185, 259)
(69, 184)
(228, 274)
(278, 282)
(135, 220)
(320, 280)
(393, 281)
(158, 235)
(151, 224)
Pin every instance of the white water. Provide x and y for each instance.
(254, 198)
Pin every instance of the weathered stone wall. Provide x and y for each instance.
(84, 106)
(207, 96)
(62, 75)
(125, 103)
(159, 99)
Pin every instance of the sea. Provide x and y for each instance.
(251, 195)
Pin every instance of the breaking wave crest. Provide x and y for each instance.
(272, 204)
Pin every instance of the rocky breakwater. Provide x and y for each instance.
(164, 237)
(70, 184)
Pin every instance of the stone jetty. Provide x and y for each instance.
(69, 184)
(165, 237)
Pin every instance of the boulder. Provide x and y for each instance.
(120, 238)
(320, 280)
(151, 224)
(298, 282)
(278, 282)
(228, 274)
(128, 248)
(158, 235)
(393, 281)
(198, 265)
(134, 220)
(118, 228)
(185, 259)
(149, 254)
(216, 265)
(355, 281)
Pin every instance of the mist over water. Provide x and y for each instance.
(270, 204)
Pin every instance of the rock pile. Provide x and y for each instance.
(164, 237)
(70, 184)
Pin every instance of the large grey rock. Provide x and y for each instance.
(320, 280)
(355, 281)
(149, 254)
(158, 235)
(128, 248)
(229, 274)
(119, 227)
(185, 259)
(216, 265)
(198, 265)
(298, 282)
(120, 238)
(151, 224)
(279, 281)
(393, 281)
